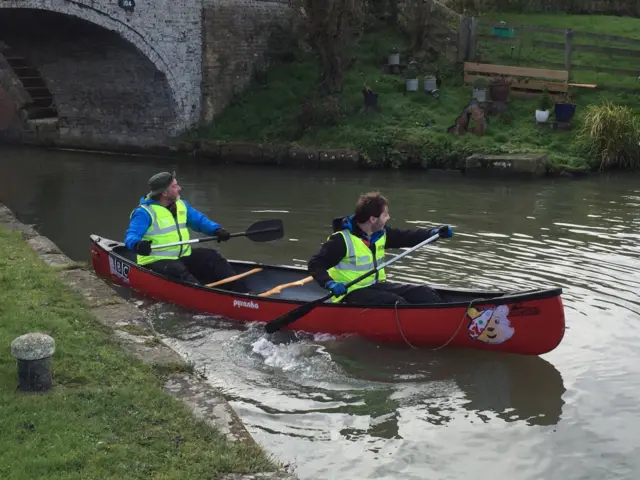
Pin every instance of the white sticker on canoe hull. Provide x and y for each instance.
(245, 304)
(119, 269)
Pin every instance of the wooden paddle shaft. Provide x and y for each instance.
(235, 277)
(279, 288)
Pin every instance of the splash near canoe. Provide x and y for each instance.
(528, 322)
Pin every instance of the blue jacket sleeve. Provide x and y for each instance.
(199, 222)
(138, 226)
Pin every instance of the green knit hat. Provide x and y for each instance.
(160, 182)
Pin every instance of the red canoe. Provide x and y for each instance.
(529, 322)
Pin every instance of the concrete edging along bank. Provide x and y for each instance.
(534, 165)
(516, 165)
(131, 330)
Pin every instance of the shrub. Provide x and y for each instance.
(545, 102)
(610, 135)
(333, 27)
(481, 82)
(315, 111)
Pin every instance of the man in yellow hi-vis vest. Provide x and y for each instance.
(358, 245)
(163, 217)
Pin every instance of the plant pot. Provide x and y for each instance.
(503, 32)
(564, 112)
(412, 84)
(499, 93)
(480, 94)
(542, 116)
(370, 98)
(394, 59)
(430, 84)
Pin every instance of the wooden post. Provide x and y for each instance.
(463, 39)
(568, 47)
(473, 39)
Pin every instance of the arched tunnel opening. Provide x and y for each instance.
(95, 85)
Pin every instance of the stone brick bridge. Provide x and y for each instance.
(129, 73)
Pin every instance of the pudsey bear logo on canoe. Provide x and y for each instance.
(491, 325)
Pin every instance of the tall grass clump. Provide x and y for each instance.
(610, 134)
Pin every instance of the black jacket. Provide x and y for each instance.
(334, 249)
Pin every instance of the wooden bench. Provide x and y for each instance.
(525, 79)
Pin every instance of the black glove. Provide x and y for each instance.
(143, 247)
(222, 235)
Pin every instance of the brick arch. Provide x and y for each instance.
(110, 16)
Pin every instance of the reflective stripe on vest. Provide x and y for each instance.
(358, 260)
(165, 228)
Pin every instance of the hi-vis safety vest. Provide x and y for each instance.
(358, 260)
(165, 228)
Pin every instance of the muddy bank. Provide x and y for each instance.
(136, 335)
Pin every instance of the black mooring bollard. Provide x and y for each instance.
(33, 352)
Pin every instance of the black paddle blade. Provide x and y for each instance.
(266, 231)
(289, 317)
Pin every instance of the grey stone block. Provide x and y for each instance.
(524, 165)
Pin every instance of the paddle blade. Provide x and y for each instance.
(266, 231)
(289, 317)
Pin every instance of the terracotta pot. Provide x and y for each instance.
(499, 93)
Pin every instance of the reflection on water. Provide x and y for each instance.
(347, 408)
(506, 385)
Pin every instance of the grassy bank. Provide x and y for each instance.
(107, 416)
(411, 126)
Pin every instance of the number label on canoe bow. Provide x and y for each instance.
(119, 269)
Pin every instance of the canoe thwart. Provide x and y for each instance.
(235, 277)
(279, 288)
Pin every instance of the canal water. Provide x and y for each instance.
(348, 408)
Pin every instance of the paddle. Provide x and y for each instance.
(301, 311)
(261, 231)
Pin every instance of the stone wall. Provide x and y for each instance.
(106, 92)
(12, 98)
(8, 114)
(236, 34)
(10, 83)
(167, 32)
